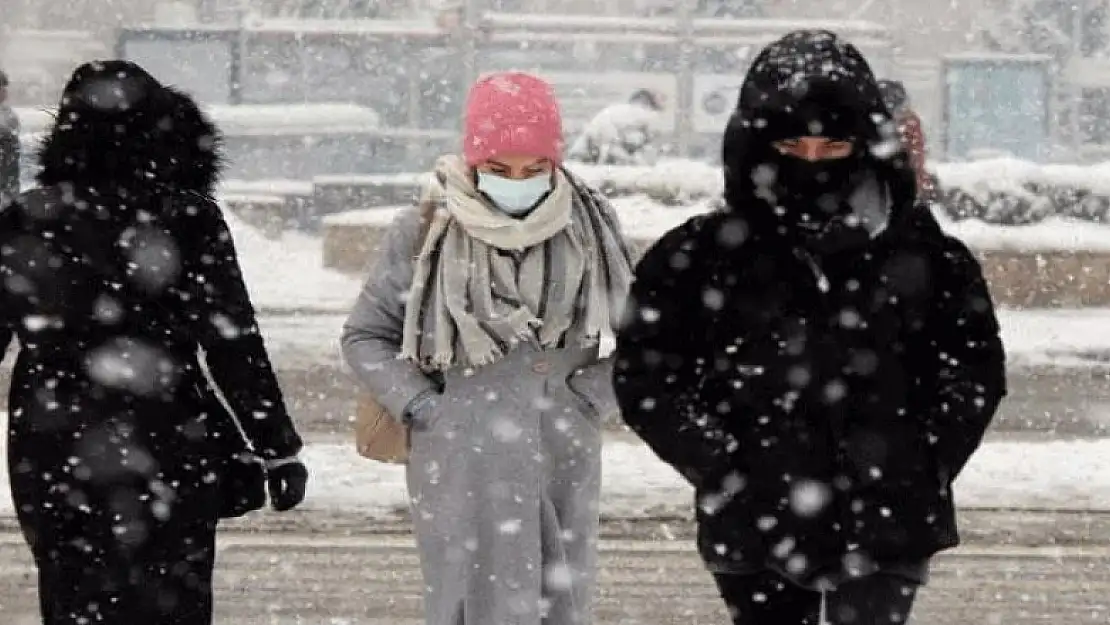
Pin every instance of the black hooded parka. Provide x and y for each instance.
(115, 271)
(817, 358)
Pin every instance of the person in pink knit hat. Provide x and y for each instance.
(486, 328)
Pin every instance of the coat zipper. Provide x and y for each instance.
(824, 287)
(822, 280)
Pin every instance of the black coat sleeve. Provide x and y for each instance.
(226, 328)
(971, 382)
(659, 365)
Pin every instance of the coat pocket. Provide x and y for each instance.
(901, 506)
(429, 417)
(586, 405)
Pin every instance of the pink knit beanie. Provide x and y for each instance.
(512, 113)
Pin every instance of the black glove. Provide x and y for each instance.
(286, 480)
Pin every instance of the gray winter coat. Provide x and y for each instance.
(505, 469)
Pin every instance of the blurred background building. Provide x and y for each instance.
(410, 60)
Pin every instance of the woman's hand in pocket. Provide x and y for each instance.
(420, 411)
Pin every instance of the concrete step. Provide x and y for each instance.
(1066, 402)
(1069, 401)
(1061, 278)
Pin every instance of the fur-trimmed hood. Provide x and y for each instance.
(118, 128)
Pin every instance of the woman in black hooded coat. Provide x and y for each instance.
(115, 271)
(817, 358)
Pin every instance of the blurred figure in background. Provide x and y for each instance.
(897, 101)
(9, 147)
(622, 134)
(118, 270)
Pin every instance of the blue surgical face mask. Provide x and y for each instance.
(514, 197)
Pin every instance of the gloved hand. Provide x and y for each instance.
(417, 411)
(287, 480)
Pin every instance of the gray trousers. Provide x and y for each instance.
(505, 478)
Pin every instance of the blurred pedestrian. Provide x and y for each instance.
(119, 271)
(624, 133)
(912, 135)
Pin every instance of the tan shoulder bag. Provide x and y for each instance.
(379, 435)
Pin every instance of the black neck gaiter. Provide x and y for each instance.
(812, 201)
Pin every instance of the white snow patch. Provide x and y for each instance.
(1056, 337)
(1061, 475)
(403, 179)
(379, 217)
(643, 218)
(289, 273)
(1064, 475)
(1051, 235)
(680, 176)
(291, 119)
(277, 187)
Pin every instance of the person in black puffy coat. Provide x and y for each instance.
(115, 271)
(817, 358)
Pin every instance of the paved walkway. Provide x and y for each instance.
(300, 579)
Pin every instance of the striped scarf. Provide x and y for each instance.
(485, 282)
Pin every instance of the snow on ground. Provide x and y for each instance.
(645, 219)
(1057, 475)
(1063, 475)
(303, 341)
(1054, 475)
(681, 178)
(1057, 337)
(288, 273)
